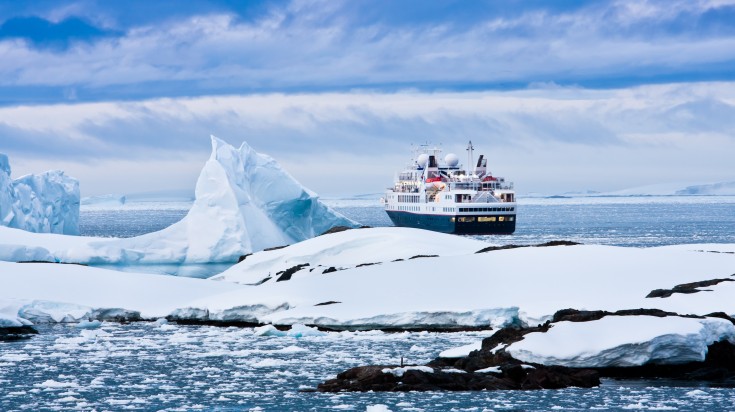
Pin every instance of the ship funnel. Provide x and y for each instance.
(481, 168)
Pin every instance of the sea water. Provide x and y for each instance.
(149, 366)
(154, 367)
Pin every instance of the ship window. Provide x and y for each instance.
(467, 219)
(511, 219)
(501, 218)
(486, 219)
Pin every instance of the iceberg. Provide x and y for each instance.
(45, 203)
(244, 202)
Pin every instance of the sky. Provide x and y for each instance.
(561, 96)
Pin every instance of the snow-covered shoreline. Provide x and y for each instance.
(364, 279)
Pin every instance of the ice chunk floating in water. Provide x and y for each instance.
(47, 202)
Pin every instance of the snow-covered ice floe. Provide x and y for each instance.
(44, 203)
(621, 341)
(244, 202)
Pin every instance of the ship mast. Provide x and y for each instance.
(470, 152)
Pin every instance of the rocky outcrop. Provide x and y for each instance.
(490, 368)
(412, 378)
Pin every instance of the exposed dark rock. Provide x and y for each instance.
(367, 264)
(15, 333)
(494, 248)
(336, 229)
(268, 249)
(260, 282)
(56, 263)
(512, 373)
(243, 257)
(574, 315)
(330, 269)
(331, 302)
(216, 322)
(558, 243)
(721, 315)
(718, 368)
(547, 244)
(286, 274)
(398, 260)
(687, 288)
(422, 256)
(116, 315)
(372, 378)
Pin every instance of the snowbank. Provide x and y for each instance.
(46, 203)
(620, 341)
(245, 202)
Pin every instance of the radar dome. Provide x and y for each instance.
(422, 159)
(451, 160)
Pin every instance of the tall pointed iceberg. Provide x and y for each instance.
(245, 202)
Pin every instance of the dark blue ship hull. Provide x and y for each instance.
(459, 225)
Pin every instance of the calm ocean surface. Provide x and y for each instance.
(150, 367)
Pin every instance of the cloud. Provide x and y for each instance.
(308, 46)
(548, 138)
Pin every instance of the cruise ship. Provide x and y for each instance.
(440, 195)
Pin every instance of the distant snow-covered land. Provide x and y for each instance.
(661, 189)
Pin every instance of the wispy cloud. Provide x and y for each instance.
(673, 131)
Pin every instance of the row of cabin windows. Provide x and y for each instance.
(486, 209)
(409, 208)
(408, 199)
(482, 219)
